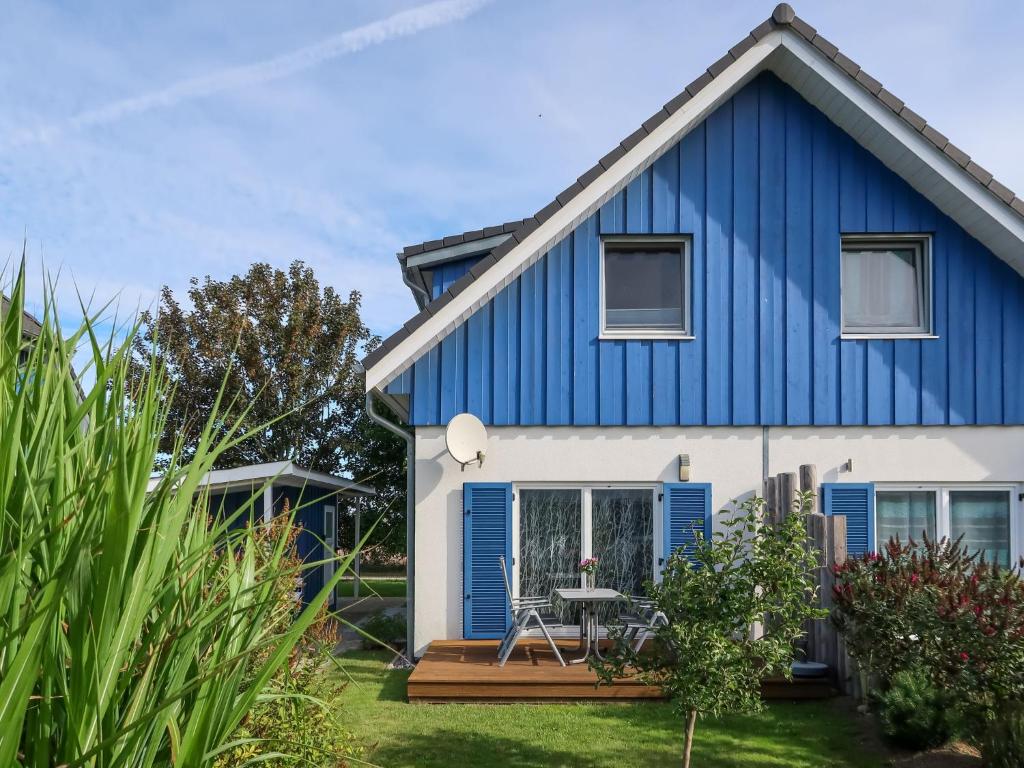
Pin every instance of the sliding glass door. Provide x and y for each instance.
(558, 527)
(982, 516)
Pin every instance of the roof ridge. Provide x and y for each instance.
(783, 16)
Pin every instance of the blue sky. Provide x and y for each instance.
(144, 143)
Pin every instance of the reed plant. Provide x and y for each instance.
(135, 629)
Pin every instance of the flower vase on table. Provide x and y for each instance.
(588, 567)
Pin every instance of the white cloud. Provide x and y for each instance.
(401, 24)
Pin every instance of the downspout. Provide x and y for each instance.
(417, 290)
(410, 518)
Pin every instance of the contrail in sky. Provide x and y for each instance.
(401, 24)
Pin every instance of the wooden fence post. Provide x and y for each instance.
(787, 493)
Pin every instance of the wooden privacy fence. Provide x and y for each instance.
(827, 533)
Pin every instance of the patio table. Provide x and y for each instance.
(588, 600)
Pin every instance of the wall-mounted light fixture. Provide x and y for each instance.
(684, 467)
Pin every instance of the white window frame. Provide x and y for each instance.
(922, 244)
(684, 243)
(586, 528)
(942, 509)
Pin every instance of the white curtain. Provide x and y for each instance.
(983, 519)
(906, 514)
(880, 289)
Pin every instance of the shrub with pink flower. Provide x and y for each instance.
(588, 566)
(935, 606)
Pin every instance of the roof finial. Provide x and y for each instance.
(783, 14)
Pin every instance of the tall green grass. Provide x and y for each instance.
(134, 630)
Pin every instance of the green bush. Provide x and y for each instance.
(1003, 745)
(914, 713)
(389, 630)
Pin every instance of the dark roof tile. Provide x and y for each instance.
(569, 193)
(979, 173)
(473, 234)
(783, 14)
(591, 175)
(847, 64)
(1001, 191)
(721, 65)
(890, 101)
(433, 245)
(492, 231)
(461, 284)
(612, 157)
(913, 118)
(936, 138)
(743, 46)
(437, 304)
(483, 265)
(1018, 205)
(500, 251)
(959, 157)
(548, 211)
(655, 120)
(869, 82)
(452, 240)
(694, 88)
(416, 321)
(804, 29)
(633, 139)
(677, 102)
(762, 29)
(826, 47)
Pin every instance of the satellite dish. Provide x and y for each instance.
(466, 439)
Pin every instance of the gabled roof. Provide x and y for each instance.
(418, 260)
(281, 472)
(822, 74)
(30, 327)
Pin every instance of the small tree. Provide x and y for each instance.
(735, 604)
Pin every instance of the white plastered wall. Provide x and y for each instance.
(730, 458)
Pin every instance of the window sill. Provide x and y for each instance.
(640, 336)
(886, 336)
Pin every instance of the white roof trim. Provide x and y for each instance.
(784, 52)
(282, 472)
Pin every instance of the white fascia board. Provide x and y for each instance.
(579, 208)
(965, 189)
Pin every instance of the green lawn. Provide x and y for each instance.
(797, 735)
(382, 587)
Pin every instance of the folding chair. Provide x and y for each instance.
(640, 621)
(526, 611)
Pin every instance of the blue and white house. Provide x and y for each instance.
(785, 265)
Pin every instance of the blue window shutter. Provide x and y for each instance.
(686, 506)
(856, 502)
(486, 535)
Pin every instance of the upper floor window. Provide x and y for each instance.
(886, 285)
(645, 287)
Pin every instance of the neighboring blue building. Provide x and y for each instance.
(318, 497)
(785, 265)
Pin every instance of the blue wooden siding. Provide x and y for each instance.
(765, 187)
(443, 275)
(312, 500)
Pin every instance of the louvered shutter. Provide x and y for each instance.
(855, 502)
(486, 535)
(686, 506)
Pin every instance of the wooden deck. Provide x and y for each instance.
(468, 671)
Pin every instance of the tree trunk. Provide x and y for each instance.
(691, 723)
